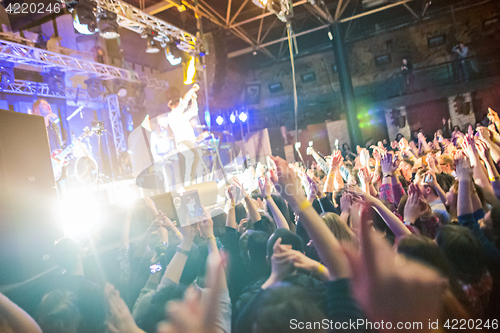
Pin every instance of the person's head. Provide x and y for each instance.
(41, 108)
(287, 238)
(446, 162)
(456, 128)
(345, 146)
(429, 192)
(406, 167)
(399, 136)
(58, 312)
(173, 103)
(219, 218)
(283, 305)
(68, 253)
(337, 226)
(384, 141)
(461, 45)
(257, 196)
(463, 251)
(492, 223)
(405, 61)
(240, 212)
(256, 247)
(424, 249)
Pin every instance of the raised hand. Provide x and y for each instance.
(482, 149)
(389, 164)
(346, 202)
(207, 225)
(484, 133)
(336, 160)
(265, 186)
(364, 175)
(493, 116)
(463, 168)
(414, 207)
(288, 179)
(151, 206)
(120, 319)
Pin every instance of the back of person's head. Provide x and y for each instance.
(156, 311)
(240, 212)
(257, 245)
(68, 252)
(494, 223)
(219, 219)
(423, 249)
(267, 222)
(463, 251)
(283, 306)
(256, 195)
(58, 312)
(287, 237)
(337, 226)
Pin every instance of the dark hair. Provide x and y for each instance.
(282, 303)
(257, 245)
(463, 251)
(345, 144)
(409, 161)
(495, 219)
(282, 206)
(256, 195)
(219, 218)
(287, 237)
(240, 212)
(156, 310)
(58, 312)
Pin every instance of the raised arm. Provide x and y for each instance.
(328, 247)
(16, 318)
(265, 190)
(207, 231)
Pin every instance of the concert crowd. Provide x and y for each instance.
(402, 235)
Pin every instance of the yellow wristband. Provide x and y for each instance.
(494, 178)
(210, 237)
(321, 269)
(304, 205)
(332, 176)
(268, 197)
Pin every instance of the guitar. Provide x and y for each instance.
(58, 156)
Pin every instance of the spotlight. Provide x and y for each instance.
(108, 26)
(94, 88)
(169, 54)
(232, 117)
(6, 76)
(190, 71)
(260, 3)
(55, 81)
(243, 117)
(151, 46)
(122, 91)
(84, 19)
(219, 120)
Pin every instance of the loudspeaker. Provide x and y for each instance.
(28, 198)
(216, 61)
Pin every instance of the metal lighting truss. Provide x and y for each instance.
(138, 21)
(116, 124)
(41, 89)
(32, 56)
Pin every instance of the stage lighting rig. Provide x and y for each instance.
(94, 88)
(6, 76)
(151, 46)
(55, 81)
(84, 18)
(283, 9)
(107, 24)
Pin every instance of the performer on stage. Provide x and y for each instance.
(42, 108)
(164, 153)
(179, 121)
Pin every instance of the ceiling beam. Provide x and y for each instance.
(228, 14)
(238, 12)
(160, 7)
(231, 25)
(411, 11)
(250, 49)
(347, 19)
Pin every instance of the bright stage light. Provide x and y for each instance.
(80, 213)
(219, 120)
(232, 117)
(190, 71)
(171, 59)
(125, 196)
(243, 117)
(151, 45)
(260, 3)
